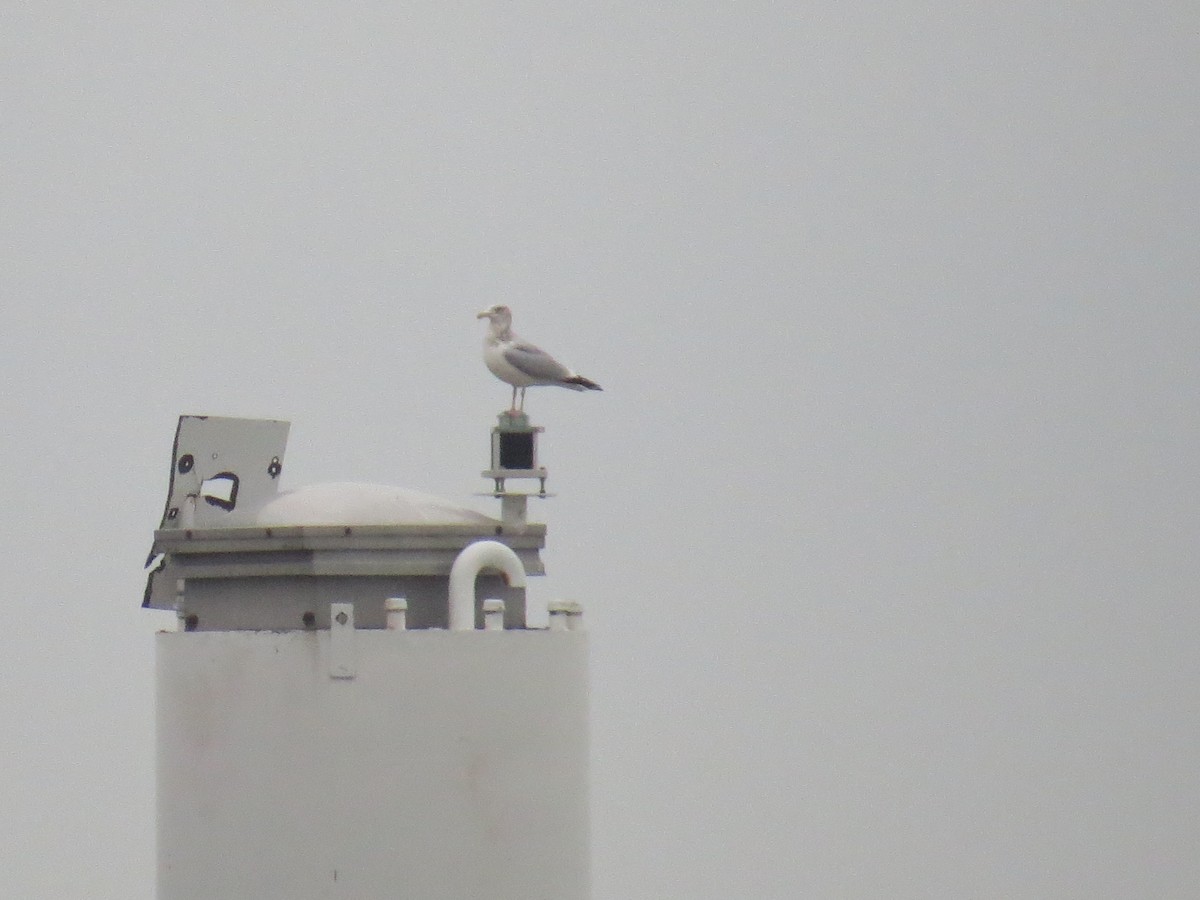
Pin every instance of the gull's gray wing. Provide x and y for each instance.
(535, 362)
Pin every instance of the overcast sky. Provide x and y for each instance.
(886, 524)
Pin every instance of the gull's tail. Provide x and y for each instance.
(579, 383)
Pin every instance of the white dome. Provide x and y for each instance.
(350, 503)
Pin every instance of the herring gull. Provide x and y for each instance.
(520, 363)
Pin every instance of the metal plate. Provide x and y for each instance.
(223, 471)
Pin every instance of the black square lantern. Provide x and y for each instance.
(514, 451)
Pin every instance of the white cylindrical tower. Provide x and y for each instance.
(322, 732)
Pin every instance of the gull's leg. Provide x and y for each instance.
(514, 399)
(521, 408)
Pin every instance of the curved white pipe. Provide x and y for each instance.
(474, 559)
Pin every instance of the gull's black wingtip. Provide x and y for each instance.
(585, 383)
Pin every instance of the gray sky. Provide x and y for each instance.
(886, 523)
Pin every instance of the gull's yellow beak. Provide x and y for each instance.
(486, 314)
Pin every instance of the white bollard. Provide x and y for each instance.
(565, 615)
(397, 613)
(493, 615)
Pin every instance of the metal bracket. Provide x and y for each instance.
(342, 661)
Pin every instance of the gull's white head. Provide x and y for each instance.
(499, 315)
(498, 311)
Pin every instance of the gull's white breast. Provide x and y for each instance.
(493, 357)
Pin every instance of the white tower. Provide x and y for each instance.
(353, 705)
